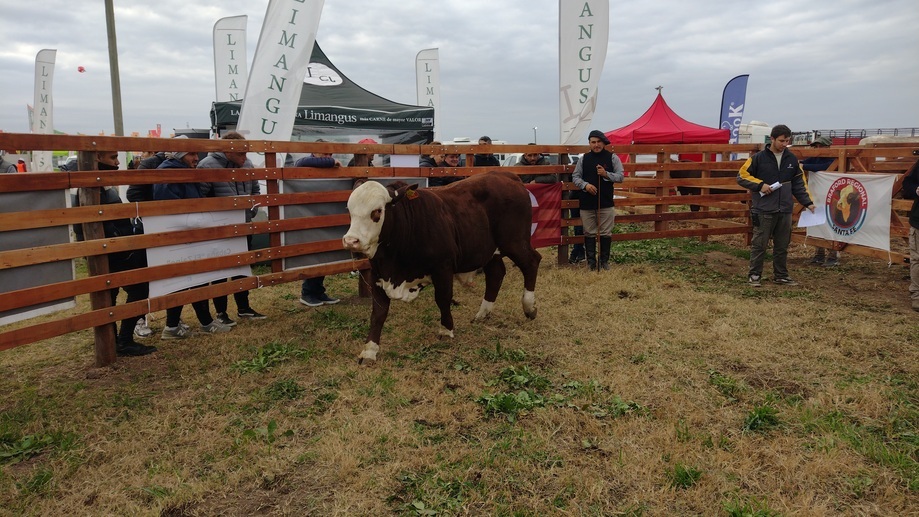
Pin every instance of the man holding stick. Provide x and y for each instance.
(595, 174)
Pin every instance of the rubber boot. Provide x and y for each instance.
(605, 245)
(590, 249)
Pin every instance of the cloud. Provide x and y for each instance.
(819, 64)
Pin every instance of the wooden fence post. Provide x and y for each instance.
(103, 336)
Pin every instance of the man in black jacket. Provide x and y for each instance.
(595, 174)
(911, 191)
(774, 178)
(486, 160)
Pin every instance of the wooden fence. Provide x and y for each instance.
(650, 199)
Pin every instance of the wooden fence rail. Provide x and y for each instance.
(653, 198)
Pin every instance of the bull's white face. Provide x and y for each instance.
(367, 206)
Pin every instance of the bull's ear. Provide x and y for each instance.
(405, 192)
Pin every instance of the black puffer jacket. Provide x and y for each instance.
(910, 184)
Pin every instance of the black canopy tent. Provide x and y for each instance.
(335, 108)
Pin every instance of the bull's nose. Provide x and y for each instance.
(350, 243)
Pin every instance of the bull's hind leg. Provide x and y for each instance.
(494, 276)
(443, 295)
(527, 259)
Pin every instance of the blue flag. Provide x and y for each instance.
(732, 101)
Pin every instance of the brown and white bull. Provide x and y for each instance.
(418, 237)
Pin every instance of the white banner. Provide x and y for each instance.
(427, 77)
(583, 35)
(230, 69)
(43, 121)
(278, 68)
(194, 250)
(857, 207)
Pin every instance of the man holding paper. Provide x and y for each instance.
(774, 179)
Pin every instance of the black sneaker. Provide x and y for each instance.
(755, 281)
(224, 319)
(133, 349)
(250, 314)
(327, 300)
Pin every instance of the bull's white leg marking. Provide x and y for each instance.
(370, 352)
(484, 310)
(497, 252)
(443, 331)
(406, 291)
(466, 279)
(529, 304)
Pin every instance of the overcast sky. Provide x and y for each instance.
(818, 64)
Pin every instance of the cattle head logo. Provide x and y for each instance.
(846, 206)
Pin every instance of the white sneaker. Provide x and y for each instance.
(141, 329)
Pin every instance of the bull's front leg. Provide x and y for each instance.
(443, 295)
(377, 317)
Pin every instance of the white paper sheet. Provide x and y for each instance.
(816, 218)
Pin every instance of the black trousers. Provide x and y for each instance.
(125, 262)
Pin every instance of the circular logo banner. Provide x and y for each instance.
(846, 206)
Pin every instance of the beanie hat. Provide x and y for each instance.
(180, 154)
(822, 140)
(368, 141)
(596, 133)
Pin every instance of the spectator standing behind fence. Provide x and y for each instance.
(911, 191)
(370, 156)
(6, 166)
(595, 174)
(138, 194)
(229, 160)
(174, 329)
(822, 256)
(486, 160)
(446, 161)
(312, 292)
(120, 261)
(774, 179)
(536, 158)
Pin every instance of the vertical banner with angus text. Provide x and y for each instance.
(546, 199)
(231, 71)
(583, 35)
(281, 60)
(857, 207)
(43, 119)
(732, 101)
(427, 78)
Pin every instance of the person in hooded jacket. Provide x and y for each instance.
(120, 261)
(167, 191)
(230, 160)
(486, 159)
(536, 158)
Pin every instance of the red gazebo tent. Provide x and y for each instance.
(661, 125)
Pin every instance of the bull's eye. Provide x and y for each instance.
(375, 215)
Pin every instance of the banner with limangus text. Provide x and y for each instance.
(546, 228)
(732, 102)
(280, 63)
(43, 119)
(427, 77)
(231, 71)
(857, 207)
(583, 35)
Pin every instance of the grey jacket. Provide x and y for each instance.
(228, 188)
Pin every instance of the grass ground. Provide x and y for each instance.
(666, 386)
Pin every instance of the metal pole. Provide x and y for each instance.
(534, 135)
(113, 65)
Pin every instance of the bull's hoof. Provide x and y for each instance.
(444, 332)
(369, 354)
(532, 314)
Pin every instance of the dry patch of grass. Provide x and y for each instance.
(663, 387)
